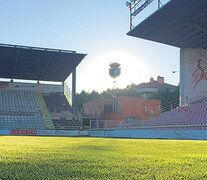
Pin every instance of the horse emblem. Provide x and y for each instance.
(200, 73)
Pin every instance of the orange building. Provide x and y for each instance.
(113, 112)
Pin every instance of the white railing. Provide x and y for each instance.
(170, 107)
(142, 9)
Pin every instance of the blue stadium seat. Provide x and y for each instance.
(15, 101)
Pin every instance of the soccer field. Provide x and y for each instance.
(99, 158)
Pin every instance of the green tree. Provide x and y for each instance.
(167, 96)
(84, 96)
(120, 92)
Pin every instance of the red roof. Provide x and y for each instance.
(154, 84)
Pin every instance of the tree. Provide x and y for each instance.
(80, 99)
(120, 92)
(84, 96)
(167, 96)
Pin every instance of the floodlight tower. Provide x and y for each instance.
(114, 72)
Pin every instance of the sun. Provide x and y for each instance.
(96, 76)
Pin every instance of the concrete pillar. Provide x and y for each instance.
(73, 86)
(193, 81)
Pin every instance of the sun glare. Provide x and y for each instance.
(97, 77)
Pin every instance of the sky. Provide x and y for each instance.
(94, 27)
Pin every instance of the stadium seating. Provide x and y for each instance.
(18, 101)
(56, 103)
(192, 116)
(20, 110)
(21, 122)
(61, 112)
(29, 110)
(65, 124)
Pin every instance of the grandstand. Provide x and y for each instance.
(36, 106)
(191, 117)
(181, 24)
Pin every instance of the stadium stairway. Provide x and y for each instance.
(45, 112)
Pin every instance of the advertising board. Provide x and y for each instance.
(61, 133)
(124, 133)
(23, 132)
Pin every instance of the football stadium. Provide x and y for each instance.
(43, 136)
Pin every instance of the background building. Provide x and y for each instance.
(127, 109)
(146, 89)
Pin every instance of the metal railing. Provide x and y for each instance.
(138, 6)
(170, 107)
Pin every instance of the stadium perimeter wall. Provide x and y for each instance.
(4, 132)
(119, 133)
(152, 134)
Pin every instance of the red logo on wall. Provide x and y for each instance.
(4, 85)
(23, 132)
(200, 73)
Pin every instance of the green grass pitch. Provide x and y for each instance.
(98, 158)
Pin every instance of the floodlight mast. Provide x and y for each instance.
(114, 72)
(136, 6)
